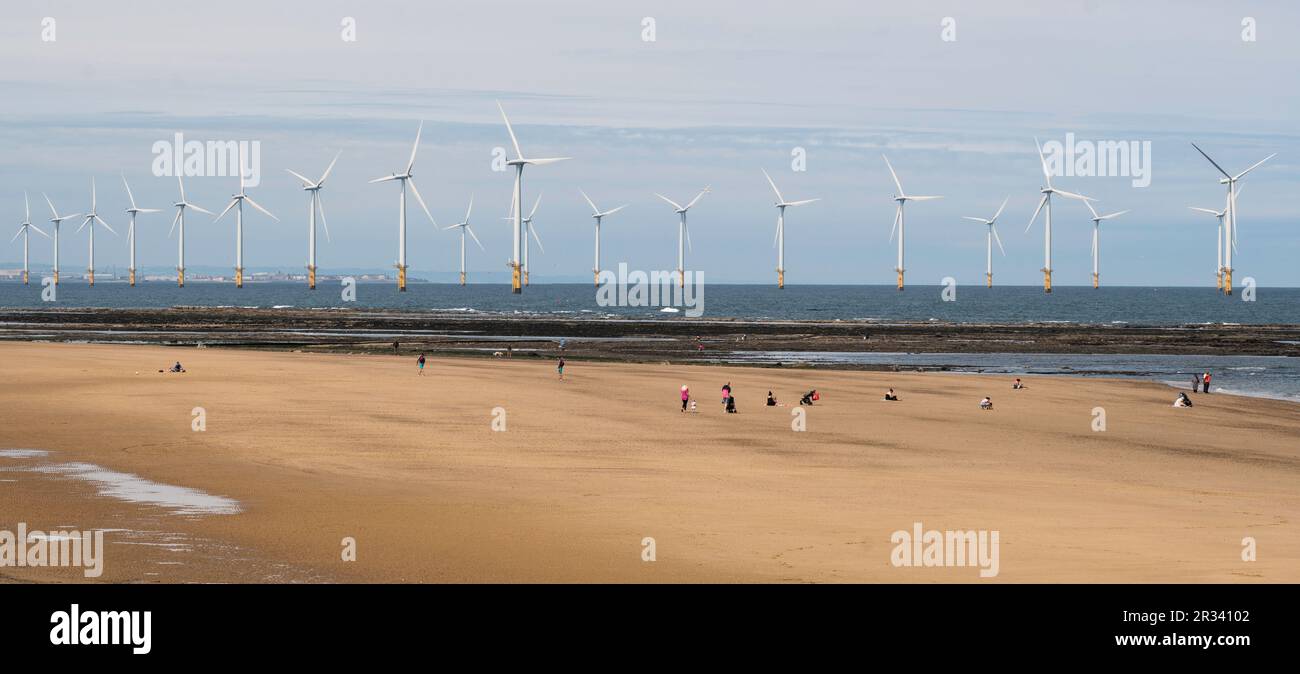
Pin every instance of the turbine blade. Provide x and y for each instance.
(1042, 161)
(1004, 205)
(535, 205)
(801, 202)
(299, 176)
(420, 199)
(27, 206)
(674, 204)
(776, 234)
(897, 184)
(513, 141)
(1034, 217)
(779, 198)
(320, 208)
(480, 243)
(384, 179)
(471, 209)
(258, 206)
(17, 234)
(699, 196)
(197, 208)
(982, 221)
(614, 210)
(1205, 210)
(411, 164)
(128, 191)
(83, 224)
(1254, 166)
(1115, 214)
(687, 229)
(39, 231)
(182, 186)
(174, 221)
(923, 198)
(105, 224)
(227, 210)
(897, 209)
(329, 168)
(590, 203)
(51, 203)
(1091, 209)
(998, 239)
(1072, 195)
(548, 160)
(536, 238)
(148, 210)
(1207, 157)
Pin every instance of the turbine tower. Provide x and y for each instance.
(130, 229)
(899, 221)
(683, 232)
(1219, 239)
(779, 240)
(1096, 241)
(1231, 182)
(24, 230)
(598, 215)
(315, 206)
(237, 203)
(91, 218)
(56, 220)
(1047, 193)
(180, 234)
(405, 178)
(519, 162)
(991, 236)
(464, 227)
(529, 229)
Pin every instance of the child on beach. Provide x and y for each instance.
(1182, 400)
(686, 397)
(560, 368)
(890, 395)
(986, 403)
(771, 401)
(420, 362)
(1018, 385)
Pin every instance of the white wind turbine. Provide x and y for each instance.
(180, 234)
(529, 229)
(91, 218)
(130, 229)
(237, 203)
(1231, 182)
(314, 206)
(406, 178)
(519, 162)
(598, 215)
(1047, 193)
(991, 236)
(1219, 239)
(1096, 240)
(464, 227)
(899, 221)
(24, 230)
(56, 220)
(683, 232)
(779, 240)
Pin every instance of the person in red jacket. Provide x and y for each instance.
(1205, 382)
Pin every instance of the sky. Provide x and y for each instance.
(723, 90)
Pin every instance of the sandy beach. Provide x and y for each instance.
(315, 448)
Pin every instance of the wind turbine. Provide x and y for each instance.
(91, 218)
(405, 177)
(598, 215)
(779, 240)
(1096, 240)
(24, 231)
(56, 220)
(464, 227)
(130, 229)
(519, 162)
(529, 229)
(1047, 193)
(683, 232)
(1231, 182)
(237, 203)
(991, 236)
(313, 189)
(902, 198)
(1219, 238)
(180, 234)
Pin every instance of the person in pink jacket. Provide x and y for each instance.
(686, 396)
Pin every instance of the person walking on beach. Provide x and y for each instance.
(1196, 384)
(1205, 383)
(686, 397)
(560, 368)
(420, 362)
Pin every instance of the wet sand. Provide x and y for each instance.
(319, 447)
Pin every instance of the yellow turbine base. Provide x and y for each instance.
(24, 277)
(132, 277)
(900, 280)
(90, 274)
(401, 279)
(56, 278)
(1219, 281)
(311, 278)
(1047, 280)
(681, 278)
(1096, 280)
(525, 277)
(180, 278)
(1227, 281)
(988, 280)
(462, 278)
(239, 277)
(597, 275)
(780, 279)
(514, 279)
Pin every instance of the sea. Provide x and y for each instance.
(1267, 376)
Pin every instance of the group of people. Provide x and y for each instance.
(1201, 383)
(729, 399)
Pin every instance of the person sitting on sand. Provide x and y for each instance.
(771, 401)
(686, 397)
(731, 403)
(1018, 385)
(986, 403)
(890, 395)
(808, 397)
(726, 393)
(1182, 400)
(177, 367)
